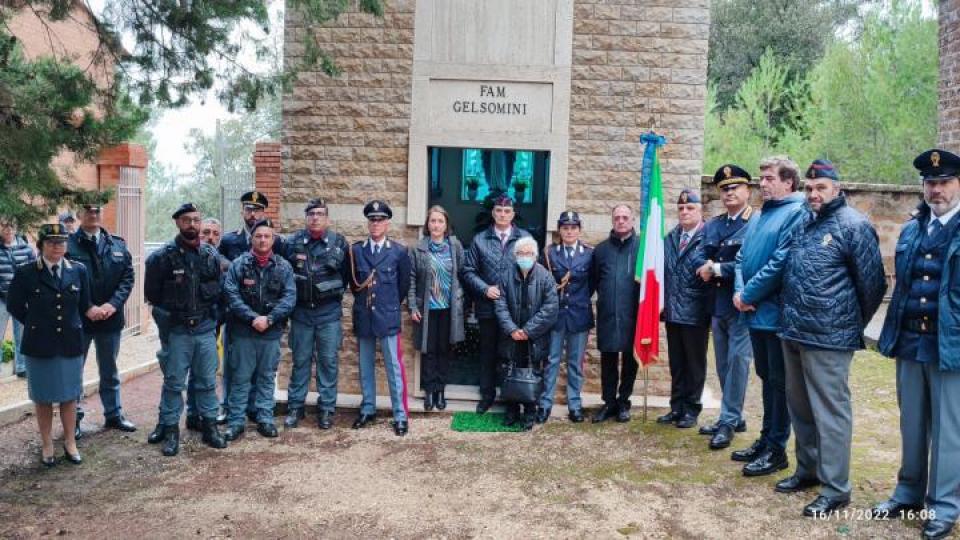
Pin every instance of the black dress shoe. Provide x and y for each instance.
(937, 528)
(324, 419)
(120, 423)
(211, 433)
(23, 375)
(741, 427)
(575, 416)
(605, 413)
(793, 484)
(511, 416)
(749, 454)
(686, 421)
(722, 438)
(543, 415)
(157, 435)
(363, 420)
(400, 428)
(529, 421)
(234, 432)
(769, 462)
(484, 405)
(709, 429)
(266, 429)
(891, 509)
(440, 400)
(171, 441)
(669, 418)
(428, 401)
(823, 505)
(75, 459)
(623, 414)
(77, 432)
(293, 418)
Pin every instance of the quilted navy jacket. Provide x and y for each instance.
(833, 282)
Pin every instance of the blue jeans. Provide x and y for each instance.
(731, 346)
(306, 343)
(196, 354)
(575, 344)
(108, 347)
(396, 375)
(224, 382)
(252, 358)
(768, 361)
(19, 364)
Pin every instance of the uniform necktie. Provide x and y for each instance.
(684, 240)
(934, 229)
(376, 249)
(56, 272)
(503, 239)
(569, 252)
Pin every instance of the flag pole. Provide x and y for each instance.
(646, 383)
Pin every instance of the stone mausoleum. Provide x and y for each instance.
(445, 101)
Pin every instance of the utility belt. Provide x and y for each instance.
(920, 326)
(191, 319)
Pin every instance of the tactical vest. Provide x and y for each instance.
(318, 277)
(191, 292)
(261, 289)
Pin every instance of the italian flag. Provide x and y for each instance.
(649, 271)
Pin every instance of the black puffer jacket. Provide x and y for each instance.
(834, 280)
(618, 293)
(533, 310)
(483, 264)
(685, 295)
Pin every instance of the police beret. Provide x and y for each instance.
(254, 198)
(52, 231)
(569, 218)
(185, 208)
(937, 164)
(689, 196)
(66, 216)
(318, 202)
(377, 209)
(822, 168)
(731, 174)
(266, 222)
(503, 200)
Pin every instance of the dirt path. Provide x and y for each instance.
(563, 480)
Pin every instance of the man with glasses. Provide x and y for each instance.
(110, 269)
(184, 279)
(318, 256)
(490, 254)
(380, 280)
(722, 238)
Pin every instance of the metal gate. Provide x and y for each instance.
(130, 227)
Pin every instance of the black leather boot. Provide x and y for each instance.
(193, 423)
(211, 434)
(428, 401)
(171, 440)
(293, 418)
(157, 435)
(440, 400)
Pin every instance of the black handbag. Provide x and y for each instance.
(521, 384)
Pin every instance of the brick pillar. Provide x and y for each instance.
(950, 74)
(109, 163)
(266, 166)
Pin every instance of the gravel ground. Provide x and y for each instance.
(562, 480)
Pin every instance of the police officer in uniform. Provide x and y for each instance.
(110, 268)
(571, 263)
(722, 237)
(920, 332)
(261, 294)
(380, 280)
(253, 204)
(318, 256)
(183, 278)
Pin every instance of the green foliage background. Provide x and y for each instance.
(869, 103)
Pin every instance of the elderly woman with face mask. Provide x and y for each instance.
(526, 312)
(50, 298)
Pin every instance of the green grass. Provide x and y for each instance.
(481, 423)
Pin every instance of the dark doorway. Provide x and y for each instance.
(465, 181)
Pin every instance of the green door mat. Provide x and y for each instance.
(481, 423)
